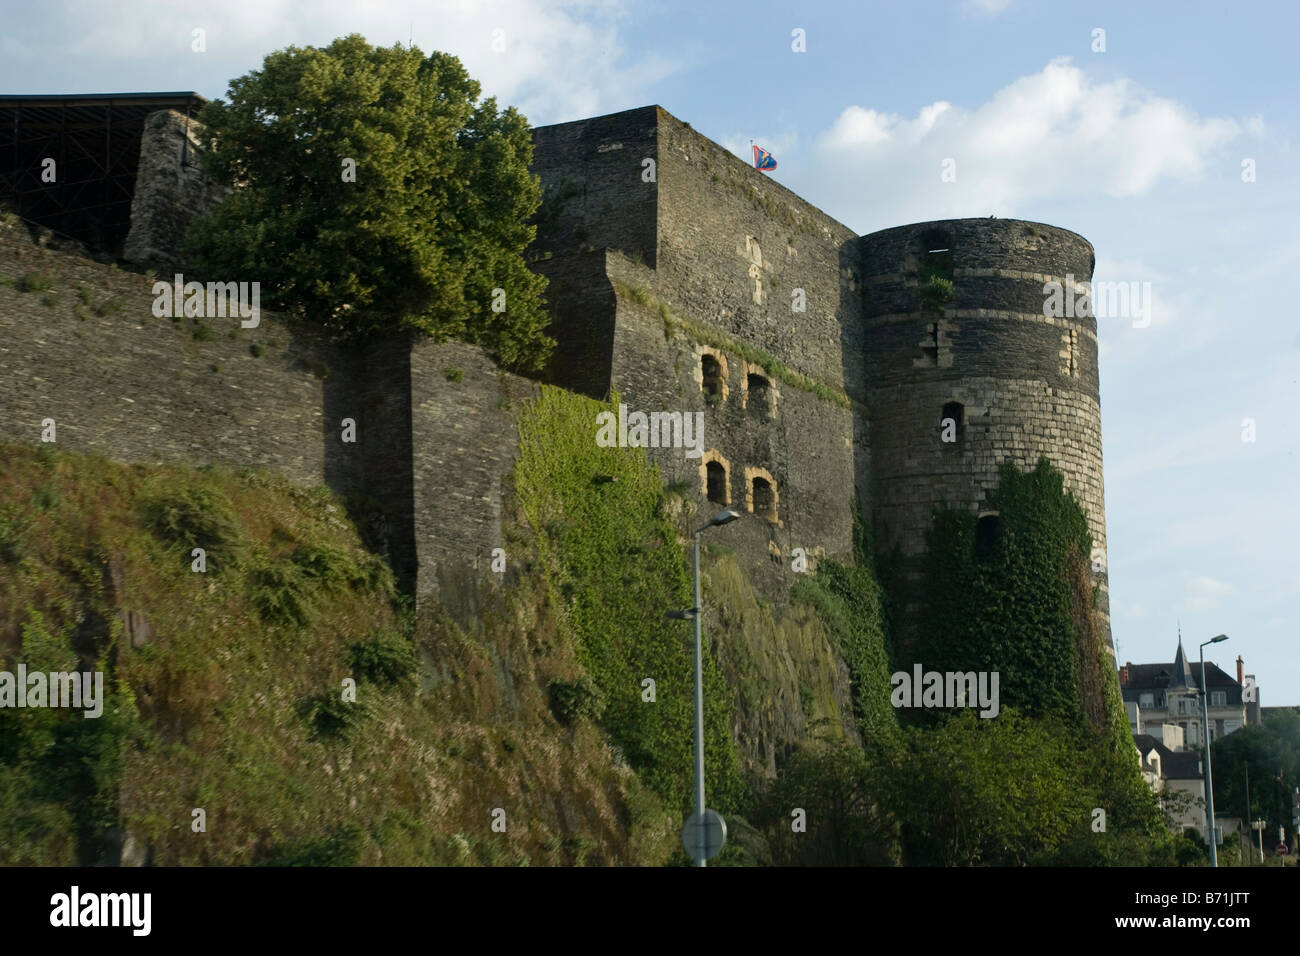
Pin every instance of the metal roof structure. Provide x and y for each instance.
(94, 140)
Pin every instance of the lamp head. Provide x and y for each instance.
(725, 517)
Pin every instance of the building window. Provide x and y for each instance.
(716, 482)
(1147, 700)
(1218, 726)
(715, 477)
(1218, 698)
(712, 373)
(761, 496)
(986, 535)
(764, 500)
(758, 395)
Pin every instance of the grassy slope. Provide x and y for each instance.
(214, 710)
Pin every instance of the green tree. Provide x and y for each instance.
(842, 792)
(430, 235)
(1270, 753)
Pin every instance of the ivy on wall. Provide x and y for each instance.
(1009, 592)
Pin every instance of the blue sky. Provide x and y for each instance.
(1139, 148)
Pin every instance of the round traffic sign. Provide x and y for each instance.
(704, 836)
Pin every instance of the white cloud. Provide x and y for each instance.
(990, 7)
(1056, 133)
(563, 59)
(1136, 612)
(1205, 594)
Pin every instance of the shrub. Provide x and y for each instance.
(572, 701)
(35, 282)
(330, 716)
(197, 518)
(279, 594)
(455, 374)
(383, 660)
(936, 291)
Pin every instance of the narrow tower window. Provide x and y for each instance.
(717, 482)
(764, 499)
(987, 530)
(712, 372)
(759, 400)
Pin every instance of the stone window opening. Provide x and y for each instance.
(952, 424)
(716, 482)
(711, 374)
(988, 528)
(935, 253)
(715, 478)
(759, 395)
(764, 499)
(761, 495)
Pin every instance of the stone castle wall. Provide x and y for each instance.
(433, 422)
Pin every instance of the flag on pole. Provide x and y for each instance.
(763, 160)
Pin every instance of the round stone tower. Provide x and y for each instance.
(970, 363)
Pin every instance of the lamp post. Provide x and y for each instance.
(695, 613)
(1209, 773)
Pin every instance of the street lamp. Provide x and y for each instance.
(1209, 774)
(694, 614)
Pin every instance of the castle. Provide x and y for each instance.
(829, 368)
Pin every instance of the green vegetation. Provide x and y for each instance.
(614, 564)
(848, 599)
(425, 229)
(455, 374)
(225, 690)
(1016, 791)
(34, 282)
(1004, 597)
(935, 293)
(577, 700)
(1270, 753)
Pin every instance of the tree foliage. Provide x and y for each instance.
(1269, 753)
(1016, 791)
(430, 235)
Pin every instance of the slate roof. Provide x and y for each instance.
(1173, 766)
(1181, 674)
